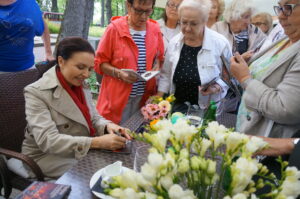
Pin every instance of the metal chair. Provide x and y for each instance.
(12, 125)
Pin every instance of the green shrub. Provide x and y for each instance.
(96, 31)
(53, 27)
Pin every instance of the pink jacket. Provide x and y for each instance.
(117, 48)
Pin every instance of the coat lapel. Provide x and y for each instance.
(61, 101)
(64, 104)
(287, 54)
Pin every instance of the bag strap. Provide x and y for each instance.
(227, 77)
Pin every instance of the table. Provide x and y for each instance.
(80, 174)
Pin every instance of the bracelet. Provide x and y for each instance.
(119, 76)
(113, 73)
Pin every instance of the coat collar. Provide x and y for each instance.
(287, 54)
(61, 101)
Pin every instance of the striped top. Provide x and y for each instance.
(241, 42)
(138, 37)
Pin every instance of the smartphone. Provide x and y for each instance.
(205, 87)
(126, 150)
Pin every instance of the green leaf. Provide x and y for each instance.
(227, 178)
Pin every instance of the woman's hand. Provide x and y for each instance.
(239, 68)
(247, 55)
(108, 141)
(212, 89)
(129, 78)
(277, 146)
(113, 128)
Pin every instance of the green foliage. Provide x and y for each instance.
(157, 13)
(92, 81)
(53, 27)
(96, 31)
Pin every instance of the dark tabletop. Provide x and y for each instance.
(80, 174)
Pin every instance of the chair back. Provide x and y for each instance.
(12, 107)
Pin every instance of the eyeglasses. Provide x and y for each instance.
(191, 24)
(172, 5)
(286, 10)
(141, 12)
(259, 23)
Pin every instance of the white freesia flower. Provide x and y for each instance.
(142, 182)
(167, 181)
(234, 139)
(242, 171)
(149, 195)
(205, 144)
(130, 193)
(176, 192)
(237, 196)
(129, 178)
(116, 193)
(163, 124)
(183, 131)
(216, 133)
(155, 160)
(184, 153)
(255, 144)
(148, 172)
(211, 169)
(183, 166)
(291, 184)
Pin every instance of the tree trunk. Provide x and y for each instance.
(108, 11)
(54, 7)
(77, 18)
(102, 13)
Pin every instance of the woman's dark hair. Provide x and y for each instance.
(164, 16)
(70, 45)
(141, 1)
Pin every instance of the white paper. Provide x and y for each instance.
(145, 76)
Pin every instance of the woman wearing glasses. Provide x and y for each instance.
(129, 42)
(193, 60)
(169, 24)
(271, 81)
(241, 34)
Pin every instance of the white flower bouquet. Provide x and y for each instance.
(188, 162)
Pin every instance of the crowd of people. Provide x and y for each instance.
(187, 46)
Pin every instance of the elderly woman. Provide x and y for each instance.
(264, 21)
(216, 12)
(193, 59)
(129, 42)
(241, 34)
(169, 24)
(270, 103)
(63, 125)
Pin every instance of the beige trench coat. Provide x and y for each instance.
(57, 133)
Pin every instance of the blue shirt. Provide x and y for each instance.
(20, 22)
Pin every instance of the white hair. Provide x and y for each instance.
(203, 6)
(237, 8)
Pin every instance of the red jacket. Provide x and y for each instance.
(118, 48)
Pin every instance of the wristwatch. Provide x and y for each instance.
(295, 141)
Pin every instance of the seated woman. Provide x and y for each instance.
(193, 59)
(63, 124)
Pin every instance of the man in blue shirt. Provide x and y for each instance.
(20, 22)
